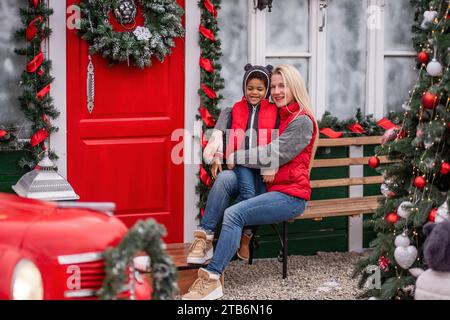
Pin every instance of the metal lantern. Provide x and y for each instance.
(45, 183)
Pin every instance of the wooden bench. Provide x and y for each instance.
(352, 206)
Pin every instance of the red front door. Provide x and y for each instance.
(121, 152)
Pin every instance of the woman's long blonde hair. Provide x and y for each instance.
(293, 79)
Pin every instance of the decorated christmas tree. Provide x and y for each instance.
(416, 187)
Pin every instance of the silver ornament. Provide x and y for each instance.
(388, 193)
(125, 12)
(428, 17)
(405, 256)
(404, 209)
(442, 213)
(434, 68)
(402, 240)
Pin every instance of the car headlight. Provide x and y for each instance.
(27, 282)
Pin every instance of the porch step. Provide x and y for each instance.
(187, 273)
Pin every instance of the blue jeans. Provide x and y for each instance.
(250, 183)
(267, 208)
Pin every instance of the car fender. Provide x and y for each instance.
(8, 261)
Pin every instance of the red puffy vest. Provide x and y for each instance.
(267, 118)
(292, 178)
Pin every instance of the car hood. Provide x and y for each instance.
(17, 215)
(74, 231)
(52, 231)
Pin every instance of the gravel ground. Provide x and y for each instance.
(325, 276)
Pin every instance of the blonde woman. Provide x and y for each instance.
(286, 196)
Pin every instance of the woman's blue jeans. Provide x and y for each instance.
(267, 208)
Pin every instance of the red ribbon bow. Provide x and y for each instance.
(34, 64)
(38, 137)
(330, 133)
(35, 3)
(32, 29)
(210, 93)
(356, 128)
(385, 123)
(206, 64)
(206, 33)
(41, 94)
(207, 117)
(204, 177)
(210, 7)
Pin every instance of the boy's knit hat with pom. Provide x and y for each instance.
(260, 72)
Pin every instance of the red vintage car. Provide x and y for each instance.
(54, 251)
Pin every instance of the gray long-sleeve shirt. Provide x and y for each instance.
(280, 151)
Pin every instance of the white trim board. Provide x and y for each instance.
(191, 104)
(57, 53)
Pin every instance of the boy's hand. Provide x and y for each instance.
(217, 165)
(268, 178)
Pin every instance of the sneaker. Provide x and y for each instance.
(243, 252)
(208, 286)
(201, 249)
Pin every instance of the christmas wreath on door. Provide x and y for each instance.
(138, 43)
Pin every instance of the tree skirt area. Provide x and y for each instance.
(326, 276)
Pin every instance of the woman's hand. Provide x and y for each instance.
(217, 165)
(230, 161)
(268, 178)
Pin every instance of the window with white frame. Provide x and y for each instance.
(352, 53)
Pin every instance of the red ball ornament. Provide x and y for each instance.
(423, 57)
(432, 214)
(420, 182)
(392, 217)
(445, 168)
(374, 162)
(429, 100)
(2, 133)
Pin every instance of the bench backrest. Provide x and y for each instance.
(341, 162)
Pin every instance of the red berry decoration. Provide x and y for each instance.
(423, 57)
(429, 100)
(2, 133)
(432, 214)
(445, 168)
(374, 162)
(392, 217)
(420, 182)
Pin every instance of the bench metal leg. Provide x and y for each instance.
(284, 248)
(252, 245)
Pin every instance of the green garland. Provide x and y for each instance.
(38, 109)
(368, 123)
(211, 50)
(144, 236)
(162, 23)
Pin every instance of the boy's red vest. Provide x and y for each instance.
(267, 118)
(293, 177)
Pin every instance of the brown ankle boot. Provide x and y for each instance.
(244, 249)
